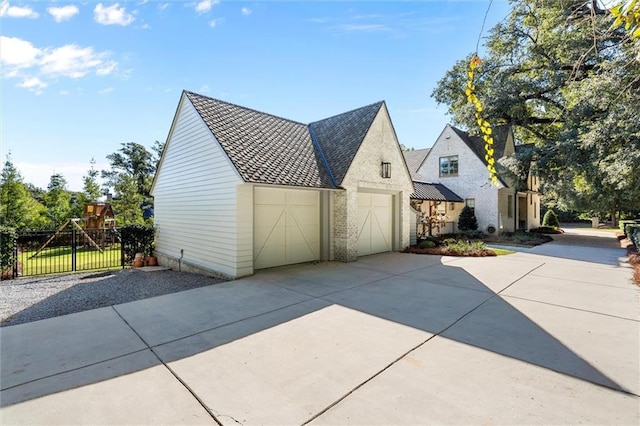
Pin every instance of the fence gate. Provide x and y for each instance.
(67, 250)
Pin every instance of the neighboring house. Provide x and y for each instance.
(436, 207)
(457, 161)
(238, 190)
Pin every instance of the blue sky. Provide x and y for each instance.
(80, 78)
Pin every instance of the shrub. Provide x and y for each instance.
(467, 220)
(136, 239)
(472, 235)
(8, 241)
(427, 244)
(550, 220)
(633, 233)
(434, 240)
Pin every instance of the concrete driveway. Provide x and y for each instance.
(395, 338)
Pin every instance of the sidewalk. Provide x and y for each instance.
(390, 339)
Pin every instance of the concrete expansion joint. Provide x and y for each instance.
(169, 369)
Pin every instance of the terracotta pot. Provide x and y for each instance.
(138, 260)
(152, 261)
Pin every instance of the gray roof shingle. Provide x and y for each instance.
(414, 159)
(340, 136)
(264, 148)
(434, 192)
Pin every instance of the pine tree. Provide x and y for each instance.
(467, 220)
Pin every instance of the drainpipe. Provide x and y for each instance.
(180, 260)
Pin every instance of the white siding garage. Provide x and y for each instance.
(286, 226)
(375, 214)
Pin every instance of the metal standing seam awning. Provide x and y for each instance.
(434, 192)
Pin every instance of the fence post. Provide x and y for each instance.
(73, 249)
(14, 272)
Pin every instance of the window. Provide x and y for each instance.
(509, 205)
(535, 210)
(449, 166)
(471, 203)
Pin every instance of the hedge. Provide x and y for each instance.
(633, 233)
(136, 239)
(8, 241)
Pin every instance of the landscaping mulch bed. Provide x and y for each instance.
(446, 251)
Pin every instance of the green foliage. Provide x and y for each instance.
(467, 220)
(18, 209)
(575, 96)
(623, 225)
(127, 203)
(8, 241)
(58, 201)
(550, 220)
(465, 246)
(137, 239)
(633, 233)
(133, 161)
(427, 244)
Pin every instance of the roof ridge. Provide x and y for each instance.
(188, 92)
(348, 112)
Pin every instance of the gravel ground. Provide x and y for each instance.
(32, 299)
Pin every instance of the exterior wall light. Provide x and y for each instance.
(386, 170)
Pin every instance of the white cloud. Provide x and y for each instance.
(17, 53)
(35, 66)
(63, 13)
(163, 6)
(112, 15)
(362, 28)
(74, 61)
(16, 11)
(106, 91)
(246, 11)
(34, 84)
(205, 6)
(215, 22)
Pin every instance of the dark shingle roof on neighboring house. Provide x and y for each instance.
(476, 143)
(434, 192)
(414, 159)
(340, 137)
(263, 148)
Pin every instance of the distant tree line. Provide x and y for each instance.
(23, 206)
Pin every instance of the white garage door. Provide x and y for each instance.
(286, 227)
(374, 223)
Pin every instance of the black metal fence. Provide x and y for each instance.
(67, 250)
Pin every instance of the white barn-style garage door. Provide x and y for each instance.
(374, 223)
(286, 227)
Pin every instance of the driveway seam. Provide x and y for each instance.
(438, 334)
(177, 377)
(73, 369)
(570, 307)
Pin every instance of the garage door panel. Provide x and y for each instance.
(286, 227)
(374, 223)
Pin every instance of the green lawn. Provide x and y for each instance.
(610, 230)
(502, 252)
(58, 259)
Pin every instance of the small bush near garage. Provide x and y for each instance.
(136, 239)
(452, 247)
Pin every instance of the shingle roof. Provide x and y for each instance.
(476, 143)
(434, 192)
(264, 148)
(414, 159)
(340, 136)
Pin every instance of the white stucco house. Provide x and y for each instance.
(457, 162)
(238, 190)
